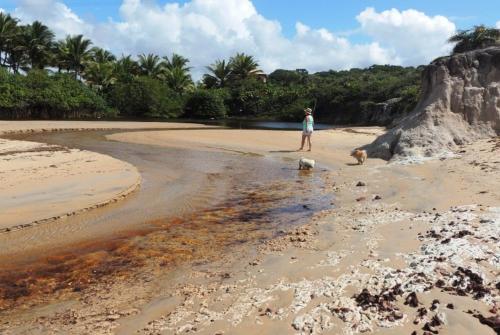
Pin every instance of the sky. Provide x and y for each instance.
(314, 34)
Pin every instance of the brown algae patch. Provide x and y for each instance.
(255, 213)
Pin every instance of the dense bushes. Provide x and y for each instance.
(205, 104)
(39, 95)
(145, 97)
(338, 96)
(341, 94)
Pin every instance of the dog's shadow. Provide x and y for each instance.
(305, 173)
(352, 164)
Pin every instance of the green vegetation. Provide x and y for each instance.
(71, 78)
(476, 38)
(38, 95)
(145, 97)
(205, 104)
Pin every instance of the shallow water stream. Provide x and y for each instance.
(190, 203)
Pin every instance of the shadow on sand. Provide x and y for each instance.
(283, 151)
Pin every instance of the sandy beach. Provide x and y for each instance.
(398, 248)
(39, 182)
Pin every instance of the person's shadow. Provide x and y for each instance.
(283, 151)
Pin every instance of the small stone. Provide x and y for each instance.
(411, 300)
(398, 315)
(377, 197)
(435, 304)
(361, 183)
(430, 328)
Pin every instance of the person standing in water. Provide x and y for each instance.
(307, 128)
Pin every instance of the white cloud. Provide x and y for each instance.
(498, 24)
(414, 36)
(204, 30)
(59, 17)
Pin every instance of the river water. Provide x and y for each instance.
(255, 124)
(205, 200)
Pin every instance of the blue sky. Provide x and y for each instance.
(313, 34)
(334, 15)
(339, 15)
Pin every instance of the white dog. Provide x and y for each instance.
(306, 164)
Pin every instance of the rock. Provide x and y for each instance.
(493, 322)
(435, 304)
(360, 183)
(383, 113)
(430, 328)
(458, 105)
(377, 197)
(411, 300)
(360, 199)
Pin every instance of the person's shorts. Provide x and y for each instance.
(307, 132)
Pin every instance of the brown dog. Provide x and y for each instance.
(360, 155)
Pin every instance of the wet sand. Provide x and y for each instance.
(15, 127)
(428, 231)
(40, 183)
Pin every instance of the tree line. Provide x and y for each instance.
(41, 77)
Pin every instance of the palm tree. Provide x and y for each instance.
(175, 73)
(100, 76)
(8, 32)
(476, 38)
(100, 55)
(176, 61)
(99, 71)
(37, 42)
(126, 68)
(244, 66)
(150, 65)
(75, 53)
(220, 72)
(178, 79)
(17, 58)
(60, 56)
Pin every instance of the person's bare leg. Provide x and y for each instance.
(309, 142)
(303, 142)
